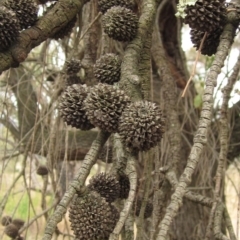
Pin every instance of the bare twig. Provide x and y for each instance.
(26, 226)
(195, 64)
(148, 164)
(218, 222)
(200, 138)
(90, 25)
(129, 227)
(224, 137)
(194, 197)
(131, 172)
(76, 184)
(229, 224)
(6, 196)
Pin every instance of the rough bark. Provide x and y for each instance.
(187, 214)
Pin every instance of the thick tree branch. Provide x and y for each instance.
(130, 78)
(56, 18)
(205, 201)
(170, 97)
(218, 214)
(10, 126)
(194, 197)
(172, 136)
(20, 80)
(76, 185)
(224, 139)
(132, 174)
(200, 138)
(234, 145)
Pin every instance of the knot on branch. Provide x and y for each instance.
(233, 14)
(19, 54)
(134, 79)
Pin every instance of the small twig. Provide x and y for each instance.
(156, 189)
(200, 137)
(195, 64)
(26, 226)
(224, 136)
(6, 196)
(90, 25)
(129, 228)
(44, 194)
(218, 223)
(76, 185)
(229, 224)
(11, 156)
(194, 197)
(148, 161)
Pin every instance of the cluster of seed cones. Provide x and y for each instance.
(12, 227)
(15, 15)
(206, 16)
(140, 124)
(94, 216)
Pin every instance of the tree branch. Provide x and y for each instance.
(224, 138)
(130, 78)
(55, 19)
(218, 222)
(132, 174)
(205, 201)
(10, 126)
(172, 137)
(76, 185)
(200, 138)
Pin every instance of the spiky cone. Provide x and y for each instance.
(104, 5)
(6, 220)
(11, 230)
(42, 170)
(124, 185)
(210, 43)
(9, 28)
(26, 11)
(71, 106)
(18, 222)
(73, 66)
(148, 209)
(104, 106)
(108, 68)
(205, 15)
(73, 79)
(141, 125)
(120, 24)
(92, 217)
(106, 185)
